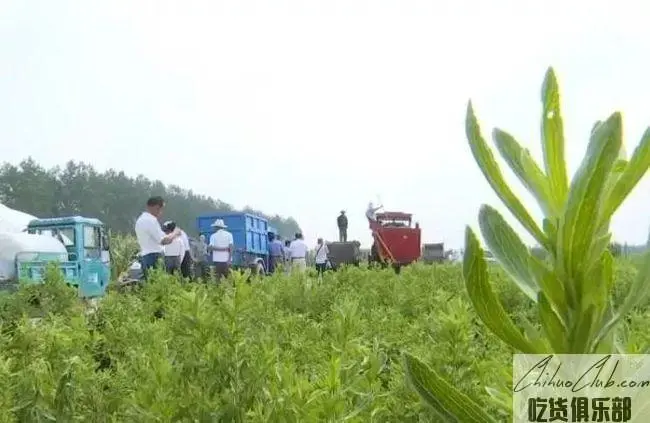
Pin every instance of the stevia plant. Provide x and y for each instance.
(571, 289)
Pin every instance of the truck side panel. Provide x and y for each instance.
(249, 234)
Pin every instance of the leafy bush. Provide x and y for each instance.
(287, 349)
(571, 288)
(123, 250)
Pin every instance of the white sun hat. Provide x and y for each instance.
(219, 224)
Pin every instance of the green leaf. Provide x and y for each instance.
(614, 176)
(600, 293)
(550, 229)
(596, 126)
(598, 247)
(524, 166)
(552, 325)
(534, 336)
(608, 271)
(485, 302)
(551, 285)
(501, 398)
(636, 168)
(485, 159)
(553, 140)
(637, 293)
(508, 249)
(444, 398)
(582, 331)
(580, 219)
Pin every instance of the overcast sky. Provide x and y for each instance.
(304, 108)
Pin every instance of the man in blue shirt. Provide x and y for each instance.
(276, 253)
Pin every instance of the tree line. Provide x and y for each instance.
(111, 196)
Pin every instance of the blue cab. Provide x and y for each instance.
(86, 240)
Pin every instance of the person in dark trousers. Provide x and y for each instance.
(221, 246)
(322, 253)
(342, 223)
(150, 235)
(276, 253)
(173, 251)
(202, 259)
(287, 255)
(186, 264)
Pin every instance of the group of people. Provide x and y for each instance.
(292, 255)
(171, 245)
(342, 220)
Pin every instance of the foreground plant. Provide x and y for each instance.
(572, 288)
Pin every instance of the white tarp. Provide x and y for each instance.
(13, 221)
(13, 243)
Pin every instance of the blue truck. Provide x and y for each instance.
(86, 242)
(250, 238)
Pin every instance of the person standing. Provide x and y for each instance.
(371, 213)
(186, 264)
(287, 256)
(201, 257)
(342, 223)
(322, 253)
(150, 235)
(276, 253)
(221, 246)
(298, 251)
(173, 251)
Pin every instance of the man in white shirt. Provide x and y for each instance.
(186, 262)
(371, 213)
(287, 256)
(298, 252)
(151, 237)
(221, 246)
(173, 251)
(322, 253)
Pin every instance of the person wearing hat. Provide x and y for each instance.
(342, 223)
(221, 246)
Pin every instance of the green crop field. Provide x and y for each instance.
(433, 343)
(285, 349)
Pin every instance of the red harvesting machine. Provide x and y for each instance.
(396, 241)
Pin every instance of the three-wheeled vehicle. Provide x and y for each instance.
(78, 245)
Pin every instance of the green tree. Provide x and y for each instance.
(111, 196)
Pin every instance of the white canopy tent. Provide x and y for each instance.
(13, 221)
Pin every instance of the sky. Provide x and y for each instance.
(304, 108)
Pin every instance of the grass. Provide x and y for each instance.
(289, 349)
